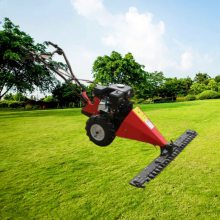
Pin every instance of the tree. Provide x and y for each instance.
(18, 70)
(174, 87)
(184, 85)
(197, 88)
(212, 85)
(66, 94)
(217, 78)
(49, 98)
(118, 69)
(9, 96)
(16, 97)
(202, 78)
(170, 88)
(150, 85)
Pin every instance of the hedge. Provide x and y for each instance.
(11, 104)
(208, 94)
(190, 97)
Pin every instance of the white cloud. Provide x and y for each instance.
(186, 60)
(140, 34)
(88, 7)
(93, 10)
(132, 31)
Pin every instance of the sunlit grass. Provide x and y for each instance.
(50, 170)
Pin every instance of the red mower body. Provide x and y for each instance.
(137, 126)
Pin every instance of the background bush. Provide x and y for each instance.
(190, 97)
(208, 94)
(162, 100)
(28, 106)
(180, 99)
(147, 101)
(11, 104)
(3, 104)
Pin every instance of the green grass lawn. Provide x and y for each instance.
(50, 170)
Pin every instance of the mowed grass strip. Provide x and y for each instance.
(50, 170)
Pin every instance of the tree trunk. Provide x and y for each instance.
(1, 95)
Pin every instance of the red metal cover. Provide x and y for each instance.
(138, 127)
(90, 108)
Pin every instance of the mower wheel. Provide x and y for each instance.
(100, 130)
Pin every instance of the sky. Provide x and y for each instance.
(179, 38)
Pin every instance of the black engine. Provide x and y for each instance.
(115, 101)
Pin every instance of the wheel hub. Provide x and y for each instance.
(97, 132)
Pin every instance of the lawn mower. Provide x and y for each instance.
(111, 114)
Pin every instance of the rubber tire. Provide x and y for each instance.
(107, 126)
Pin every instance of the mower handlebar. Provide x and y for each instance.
(52, 44)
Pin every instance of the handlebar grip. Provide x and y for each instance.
(52, 44)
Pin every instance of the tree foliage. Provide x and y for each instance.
(217, 78)
(212, 85)
(15, 97)
(170, 88)
(118, 69)
(197, 88)
(66, 94)
(149, 85)
(19, 71)
(125, 70)
(17, 68)
(202, 78)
